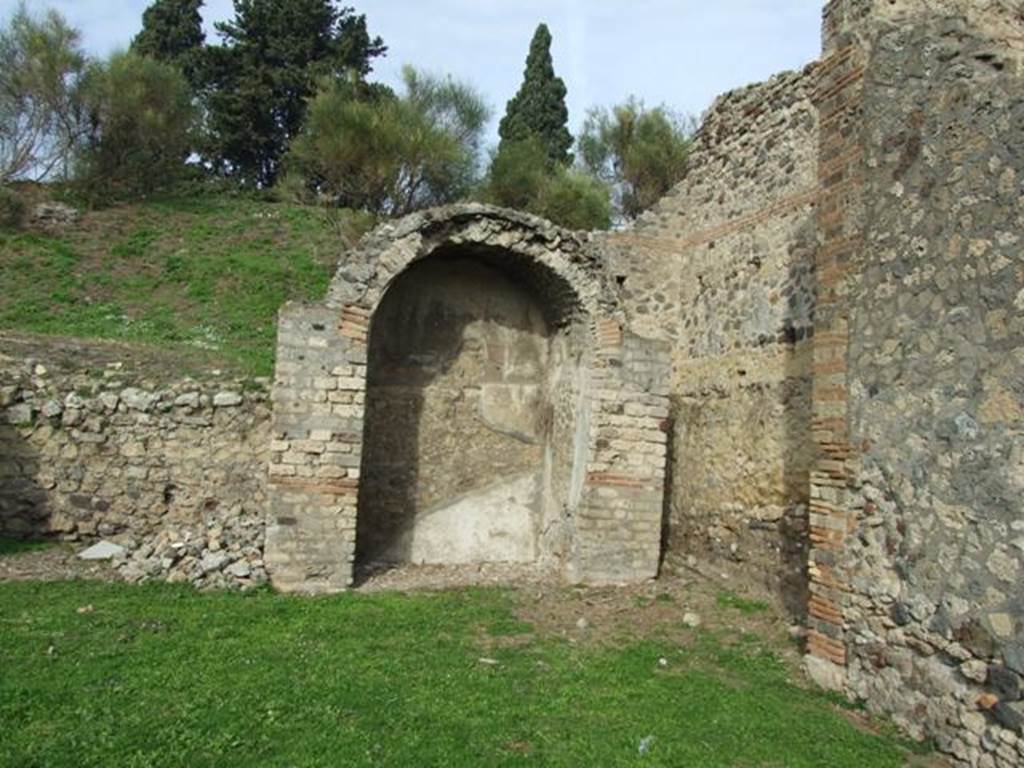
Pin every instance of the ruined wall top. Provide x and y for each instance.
(1001, 21)
(565, 267)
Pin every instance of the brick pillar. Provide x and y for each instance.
(319, 396)
(618, 526)
(833, 512)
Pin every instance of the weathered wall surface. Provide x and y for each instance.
(918, 397)
(936, 392)
(723, 269)
(173, 470)
(456, 418)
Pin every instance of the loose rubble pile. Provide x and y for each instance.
(223, 552)
(55, 216)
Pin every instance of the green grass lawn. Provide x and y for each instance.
(103, 674)
(209, 271)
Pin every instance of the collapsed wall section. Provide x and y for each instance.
(722, 268)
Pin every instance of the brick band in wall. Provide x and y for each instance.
(838, 99)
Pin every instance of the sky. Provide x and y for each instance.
(681, 53)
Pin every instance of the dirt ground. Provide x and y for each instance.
(104, 357)
(551, 606)
(669, 604)
(58, 562)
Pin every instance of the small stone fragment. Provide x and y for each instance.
(137, 400)
(975, 670)
(987, 701)
(104, 550)
(187, 400)
(212, 562)
(52, 408)
(227, 399)
(1005, 684)
(1002, 624)
(19, 414)
(240, 569)
(1008, 716)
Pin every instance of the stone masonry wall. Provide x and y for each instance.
(723, 269)
(933, 558)
(919, 354)
(171, 469)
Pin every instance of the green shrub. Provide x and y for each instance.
(12, 209)
(389, 154)
(521, 178)
(571, 198)
(143, 117)
(519, 172)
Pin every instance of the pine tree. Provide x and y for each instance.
(274, 54)
(538, 109)
(172, 32)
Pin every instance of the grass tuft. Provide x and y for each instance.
(9, 547)
(741, 604)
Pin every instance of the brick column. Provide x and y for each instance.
(619, 521)
(833, 479)
(319, 395)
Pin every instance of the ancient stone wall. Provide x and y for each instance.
(918, 368)
(171, 469)
(723, 269)
(819, 334)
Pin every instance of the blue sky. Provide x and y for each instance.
(679, 52)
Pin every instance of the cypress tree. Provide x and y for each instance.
(172, 32)
(538, 110)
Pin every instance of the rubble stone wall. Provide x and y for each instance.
(919, 351)
(722, 268)
(923, 526)
(173, 471)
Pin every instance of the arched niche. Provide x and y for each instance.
(468, 378)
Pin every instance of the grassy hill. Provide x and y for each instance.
(207, 272)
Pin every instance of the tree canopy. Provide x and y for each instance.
(142, 118)
(288, 90)
(273, 56)
(41, 116)
(388, 153)
(640, 152)
(172, 31)
(570, 197)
